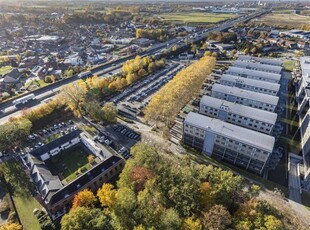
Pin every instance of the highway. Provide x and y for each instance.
(9, 110)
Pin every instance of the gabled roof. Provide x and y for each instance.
(14, 73)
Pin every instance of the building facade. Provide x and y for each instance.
(254, 74)
(250, 84)
(245, 116)
(225, 141)
(245, 97)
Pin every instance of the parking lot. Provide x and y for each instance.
(48, 134)
(119, 137)
(136, 99)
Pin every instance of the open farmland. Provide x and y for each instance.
(195, 17)
(283, 19)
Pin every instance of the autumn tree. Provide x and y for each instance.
(11, 226)
(84, 198)
(109, 112)
(191, 224)
(73, 95)
(107, 195)
(217, 218)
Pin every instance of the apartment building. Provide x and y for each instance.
(225, 141)
(265, 61)
(245, 97)
(254, 74)
(250, 84)
(258, 66)
(302, 89)
(245, 116)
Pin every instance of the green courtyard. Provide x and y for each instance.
(69, 164)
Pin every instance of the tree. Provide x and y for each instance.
(107, 195)
(14, 133)
(191, 224)
(49, 79)
(272, 223)
(84, 198)
(254, 190)
(73, 96)
(109, 112)
(86, 218)
(217, 218)
(91, 159)
(11, 226)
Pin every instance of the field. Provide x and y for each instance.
(21, 190)
(283, 19)
(195, 18)
(5, 70)
(70, 164)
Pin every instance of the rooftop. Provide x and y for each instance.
(262, 67)
(254, 73)
(267, 61)
(268, 99)
(246, 111)
(251, 82)
(246, 136)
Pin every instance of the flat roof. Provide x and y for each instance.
(267, 61)
(244, 135)
(262, 67)
(305, 67)
(268, 99)
(246, 111)
(254, 73)
(251, 82)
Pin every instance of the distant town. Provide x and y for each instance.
(174, 115)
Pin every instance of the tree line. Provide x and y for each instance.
(226, 37)
(170, 99)
(154, 34)
(157, 191)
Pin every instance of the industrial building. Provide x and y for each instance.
(250, 84)
(245, 97)
(245, 116)
(225, 141)
(254, 74)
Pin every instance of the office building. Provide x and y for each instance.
(250, 84)
(258, 66)
(225, 141)
(254, 74)
(245, 97)
(245, 116)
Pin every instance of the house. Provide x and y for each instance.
(12, 79)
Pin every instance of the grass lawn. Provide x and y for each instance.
(195, 17)
(21, 189)
(69, 163)
(88, 129)
(289, 65)
(5, 70)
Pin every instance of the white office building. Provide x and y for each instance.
(225, 141)
(245, 97)
(265, 61)
(258, 66)
(250, 84)
(245, 116)
(254, 74)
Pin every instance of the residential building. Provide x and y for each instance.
(56, 193)
(254, 74)
(225, 141)
(250, 84)
(245, 97)
(265, 61)
(258, 66)
(245, 116)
